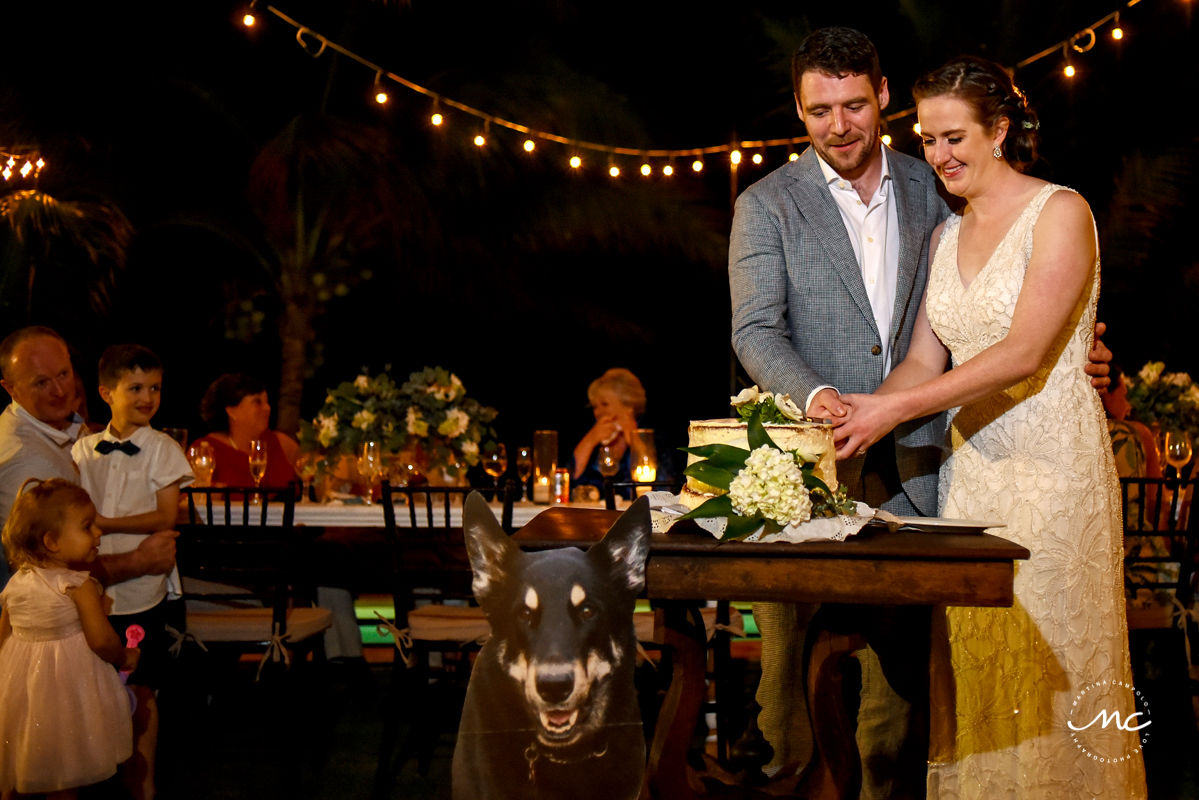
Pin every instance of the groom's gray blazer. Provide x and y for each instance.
(801, 317)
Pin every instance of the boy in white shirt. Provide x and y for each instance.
(133, 474)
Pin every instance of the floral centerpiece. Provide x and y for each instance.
(767, 488)
(428, 415)
(1164, 399)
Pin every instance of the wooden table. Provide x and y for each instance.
(875, 567)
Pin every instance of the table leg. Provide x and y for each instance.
(667, 768)
(835, 770)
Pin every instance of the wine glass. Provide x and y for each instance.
(257, 464)
(203, 462)
(609, 462)
(1177, 449)
(495, 463)
(306, 467)
(524, 468)
(370, 466)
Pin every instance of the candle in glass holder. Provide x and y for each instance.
(645, 472)
(545, 461)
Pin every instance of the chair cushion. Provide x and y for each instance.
(438, 623)
(643, 623)
(254, 624)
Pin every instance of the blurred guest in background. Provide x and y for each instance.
(1132, 441)
(617, 399)
(238, 412)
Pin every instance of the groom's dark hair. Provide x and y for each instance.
(839, 52)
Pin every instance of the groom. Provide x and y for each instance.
(828, 260)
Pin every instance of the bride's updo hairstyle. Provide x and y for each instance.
(988, 89)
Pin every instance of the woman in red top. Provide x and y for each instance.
(238, 411)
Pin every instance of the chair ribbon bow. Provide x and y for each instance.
(401, 638)
(275, 651)
(179, 638)
(105, 446)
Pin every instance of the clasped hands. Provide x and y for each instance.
(859, 420)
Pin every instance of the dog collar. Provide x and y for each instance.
(533, 753)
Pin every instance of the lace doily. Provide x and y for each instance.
(666, 508)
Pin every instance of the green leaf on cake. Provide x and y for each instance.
(757, 433)
(724, 456)
(712, 475)
(739, 527)
(720, 506)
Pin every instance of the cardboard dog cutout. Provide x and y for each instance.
(551, 710)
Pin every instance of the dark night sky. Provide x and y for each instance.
(162, 107)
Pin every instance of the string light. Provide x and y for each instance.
(614, 171)
(887, 139)
(31, 163)
(1082, 41)
(916, 128)
(380, 93)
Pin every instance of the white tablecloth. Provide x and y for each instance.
(359, 515)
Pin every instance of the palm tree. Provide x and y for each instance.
(61, 248)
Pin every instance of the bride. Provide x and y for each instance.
(1011, 298)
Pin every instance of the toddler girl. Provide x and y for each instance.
(64, 715)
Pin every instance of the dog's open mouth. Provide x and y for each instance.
(559, 723)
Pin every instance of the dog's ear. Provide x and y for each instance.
(487, 544)
(623, 550)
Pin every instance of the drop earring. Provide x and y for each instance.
(997, 152)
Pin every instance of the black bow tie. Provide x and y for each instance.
(104, 447)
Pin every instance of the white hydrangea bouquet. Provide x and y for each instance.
(429, 413)
(771, 494)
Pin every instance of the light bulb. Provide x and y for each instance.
(887, 139)
(792, 156)
(529, 145)
(381, 97)
(697, 165)
(614, 171)
(25, 170)
(757, 159)
(1069, 71)
(575, 162)
(735, 157)
(479, 140)
(248, 20)
(646, 170)
(437, 119)
(916, 128)
(1117, 33)
(668, 170)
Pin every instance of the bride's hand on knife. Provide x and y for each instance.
(870, 417)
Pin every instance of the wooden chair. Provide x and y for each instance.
(1161, 548)
(243, 570)
(435, 613)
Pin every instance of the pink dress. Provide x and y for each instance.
(64, 715)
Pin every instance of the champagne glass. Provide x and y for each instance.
(495, 463)
(257, 464)
(370, 466)
(203, 462)
(524, 468)
(1177, 448)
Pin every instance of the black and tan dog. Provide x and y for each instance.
(551, 711)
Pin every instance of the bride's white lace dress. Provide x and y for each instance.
(1037, 457)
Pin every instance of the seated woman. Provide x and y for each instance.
(238, 411)
(617, 399)
(1132, 442)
